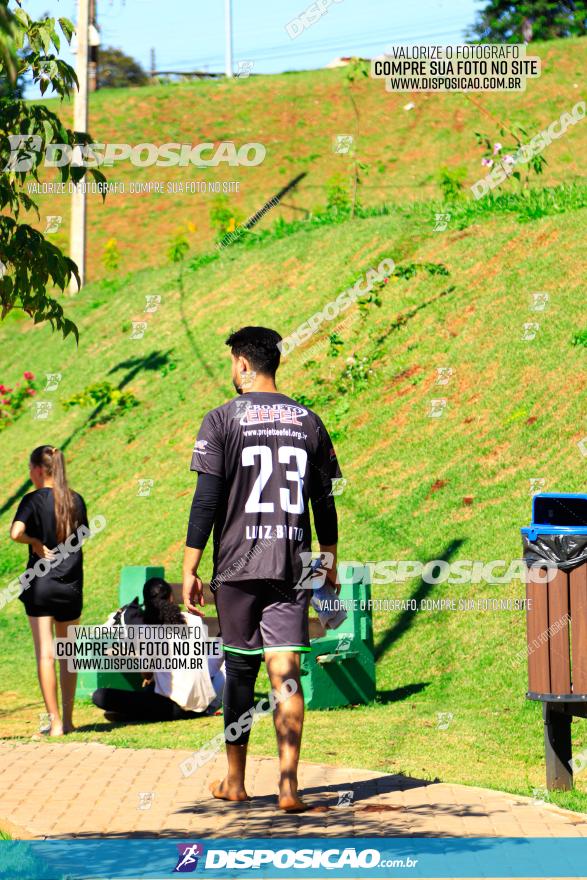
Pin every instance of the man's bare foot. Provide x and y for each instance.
(68, 728)
(224, 791)
(56, 729)
(291, 803)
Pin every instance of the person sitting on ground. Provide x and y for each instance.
(167, 696)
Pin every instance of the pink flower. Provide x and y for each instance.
(6, 401)
(496, 149)
(30, 391)
(509, 160)
(29, 376)
(487, 162)
(2, 389)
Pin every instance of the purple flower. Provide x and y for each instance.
(487, 162)
(496, 149)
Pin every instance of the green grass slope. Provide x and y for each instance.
(454, 487)
(297, 116)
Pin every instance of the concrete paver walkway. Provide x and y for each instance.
(50, 790)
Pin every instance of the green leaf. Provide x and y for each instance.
(67, 28)
(22, 17)
(45, 35)
(99, 178)
(48, 131)
(55, 36)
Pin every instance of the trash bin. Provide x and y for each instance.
(555, 551)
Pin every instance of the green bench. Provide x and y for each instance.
(340, 668)
(338, 671)
(132, 581)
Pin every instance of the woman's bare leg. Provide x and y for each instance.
(68, 680)
(42, 630)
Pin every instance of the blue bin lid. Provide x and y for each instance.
(557, 513)
(532, 532)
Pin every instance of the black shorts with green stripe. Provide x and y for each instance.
(262, 615)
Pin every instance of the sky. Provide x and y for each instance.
(189, 34)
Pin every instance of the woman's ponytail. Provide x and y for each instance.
(53, 463)
(64, 500)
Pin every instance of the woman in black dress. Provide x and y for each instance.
(53, 601)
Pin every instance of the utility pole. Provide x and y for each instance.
(77, 246)
(228, 29)
(153, 65)
(93, 48)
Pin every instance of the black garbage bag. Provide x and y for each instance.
(564, 551)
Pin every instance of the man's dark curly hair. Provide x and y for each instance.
(259, 346)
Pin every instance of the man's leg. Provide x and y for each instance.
(288, 718)
(239, 698)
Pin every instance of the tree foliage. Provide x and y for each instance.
(508, 21)
(29, 264)
(117, 70)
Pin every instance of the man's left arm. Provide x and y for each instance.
(207, 497)
(208, 461)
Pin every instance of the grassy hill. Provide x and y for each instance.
(297, 116)
(419, 488)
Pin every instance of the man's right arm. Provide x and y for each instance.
(331, 570)
(324, 470)
(326, 526)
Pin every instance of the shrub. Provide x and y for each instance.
(111, 255)
(12, 400)
(178, 248)
(338, 200)
(223, 218)
(108, 401)
(452, 182)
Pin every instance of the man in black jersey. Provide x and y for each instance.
(261, 459)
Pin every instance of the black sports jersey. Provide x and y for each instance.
(37, 511)
(275, 456)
